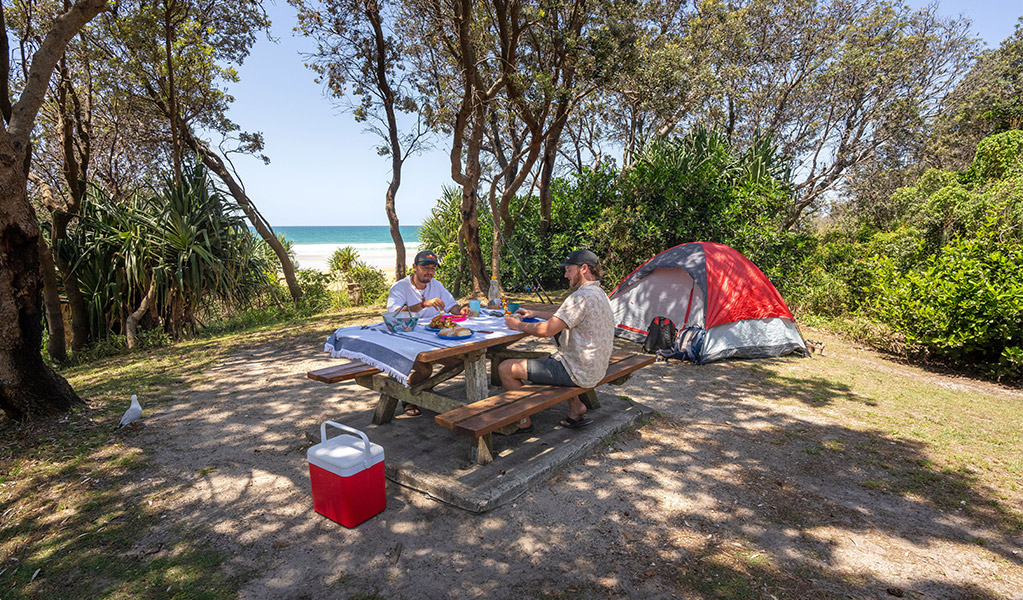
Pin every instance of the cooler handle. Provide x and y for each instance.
(365, 440)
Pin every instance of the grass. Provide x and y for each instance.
(945, 440)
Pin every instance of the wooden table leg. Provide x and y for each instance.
(386, 406)
(589, 399)
(476, 388)
(482, 450)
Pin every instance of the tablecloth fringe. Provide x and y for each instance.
(401, 378)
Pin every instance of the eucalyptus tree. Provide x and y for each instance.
(833, 82)
(455, 42)
(362, 62)
(988, 100)
(502, 79)
(834, 101)
(27, 385)
(175, 56)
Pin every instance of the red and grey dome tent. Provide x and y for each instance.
(714, 287)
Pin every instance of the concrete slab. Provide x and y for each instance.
(426, 457)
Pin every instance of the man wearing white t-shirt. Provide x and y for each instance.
(421, 293)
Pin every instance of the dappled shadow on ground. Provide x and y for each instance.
(742, 488)
(727, 494)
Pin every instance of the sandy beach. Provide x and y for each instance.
(381, 256)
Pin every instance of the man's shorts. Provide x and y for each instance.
(548, 371)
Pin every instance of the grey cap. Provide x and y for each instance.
(581, 257)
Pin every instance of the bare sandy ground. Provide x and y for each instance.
(717, 497)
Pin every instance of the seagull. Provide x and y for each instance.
(132, 414)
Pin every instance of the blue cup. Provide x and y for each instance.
(512, 307)
(474, 306)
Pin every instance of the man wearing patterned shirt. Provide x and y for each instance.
(586, 325)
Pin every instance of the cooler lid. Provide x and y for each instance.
(345, 455)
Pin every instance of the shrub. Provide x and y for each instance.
(374, 285)
(342, 259)
(965, 305)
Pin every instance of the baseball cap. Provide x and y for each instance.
(581, 257)
(426, 257)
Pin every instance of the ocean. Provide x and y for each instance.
(313, 244)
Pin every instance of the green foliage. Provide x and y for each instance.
(697, 188)
(533, 252)
(342, 259)
(187, 241)
(372, 280)
(964, 305)
(998, 156)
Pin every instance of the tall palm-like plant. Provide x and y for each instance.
(177, 252)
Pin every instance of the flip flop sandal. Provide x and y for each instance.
(523, 430)
(412, 411)
(570, 423)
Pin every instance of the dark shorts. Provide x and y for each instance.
(548, 371)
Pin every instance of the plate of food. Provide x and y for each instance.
(455, 333)
(443, 322)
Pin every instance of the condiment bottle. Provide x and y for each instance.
(494, 294)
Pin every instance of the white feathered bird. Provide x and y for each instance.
(131, 415)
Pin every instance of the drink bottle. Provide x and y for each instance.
(494, 294)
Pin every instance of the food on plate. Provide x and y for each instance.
(456, 332)
(440, 321)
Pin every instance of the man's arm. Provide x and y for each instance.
(548, 328)
(535, 314)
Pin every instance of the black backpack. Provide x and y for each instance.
(660, 335)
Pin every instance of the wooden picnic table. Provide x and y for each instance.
(478, 414)
(473, 353)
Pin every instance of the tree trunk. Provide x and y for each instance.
(214, 163)
(392, 220)
(28, 386)
(380, 64)
(172, 102)
(131, 324)
(81, 335)
(56, 348)
(471, 234)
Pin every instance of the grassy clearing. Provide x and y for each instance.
(954, 442)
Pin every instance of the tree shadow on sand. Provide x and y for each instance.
(724, 497)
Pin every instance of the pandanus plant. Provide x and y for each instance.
(175, 253)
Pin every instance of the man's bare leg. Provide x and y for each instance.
(576, 409)
(512, 373)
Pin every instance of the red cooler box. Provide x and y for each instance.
(347, 475)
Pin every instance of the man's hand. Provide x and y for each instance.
(525, 314)
(434, 303)
(465, 311)
(512, 323)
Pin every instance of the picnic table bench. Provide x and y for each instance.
(481, 419)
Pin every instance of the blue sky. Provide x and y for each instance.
(324, 169)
